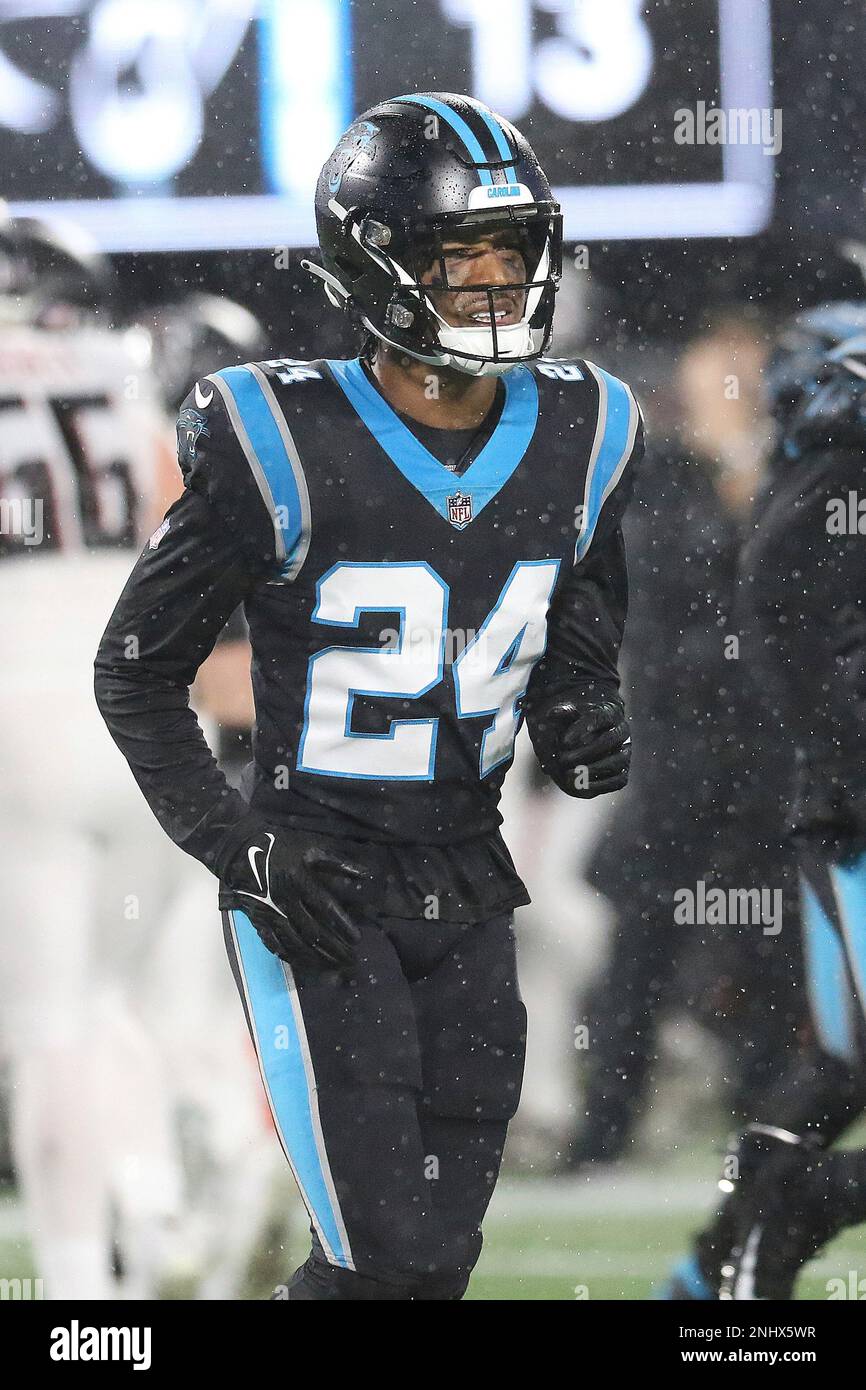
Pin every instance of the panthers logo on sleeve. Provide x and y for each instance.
(191, 425)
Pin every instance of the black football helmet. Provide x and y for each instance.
(407, 176)
(801, 351)
(197, 335)
(834, 410)
(52, 273)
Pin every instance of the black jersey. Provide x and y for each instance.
(396, 611)
(803, 577)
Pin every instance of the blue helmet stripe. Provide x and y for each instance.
(460, 128)
(499, 139)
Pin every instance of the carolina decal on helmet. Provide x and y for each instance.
(488, 194)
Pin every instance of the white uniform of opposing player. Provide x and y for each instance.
(85, 871)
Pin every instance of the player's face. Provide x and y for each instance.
(492, 258)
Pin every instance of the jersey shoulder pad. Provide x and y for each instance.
(235, 447)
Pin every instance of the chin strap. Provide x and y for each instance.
(471, 367)
(336, 292)
(460, 343)
(449, 354)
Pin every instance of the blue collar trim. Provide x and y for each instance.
(485, 476)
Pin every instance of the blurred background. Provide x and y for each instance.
(157, 163)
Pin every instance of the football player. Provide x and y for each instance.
(803, 576)
(426, 539)
(84, 879)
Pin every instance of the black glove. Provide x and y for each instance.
(801, 1197)
(583, 745)
(297, 894)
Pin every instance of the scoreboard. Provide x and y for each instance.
(202, 124)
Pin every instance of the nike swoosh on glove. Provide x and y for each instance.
(583, 746)
(297, 893)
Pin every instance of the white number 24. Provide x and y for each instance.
(490, 674)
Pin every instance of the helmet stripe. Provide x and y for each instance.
(460, 128)
(498, 134)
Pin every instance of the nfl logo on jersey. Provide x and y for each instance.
(460, 510)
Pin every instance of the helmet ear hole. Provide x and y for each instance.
(375, 233)
(399, 316)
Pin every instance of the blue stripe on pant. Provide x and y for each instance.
(849, 887)
(277, 1027)
(828, 982)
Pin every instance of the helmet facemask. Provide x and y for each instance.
(514, 319)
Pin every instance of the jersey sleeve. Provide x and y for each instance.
(586, 622)
(242, 520)
(235, 450)
(187, 582)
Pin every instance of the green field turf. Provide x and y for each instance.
(608, 1237)
(611, 1239)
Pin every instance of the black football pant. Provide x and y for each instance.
(391, 1087)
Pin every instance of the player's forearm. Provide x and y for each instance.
(585, 629)
(574, 712)
(152, 724)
